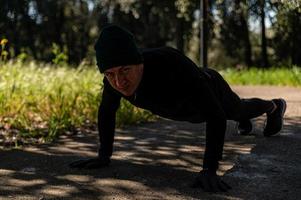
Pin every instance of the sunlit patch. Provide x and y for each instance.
(76, 178)
(120, 185)
(224, 167)
(190, 149)
(238, 148)
(164, 153)
(59, 190)
(25, 183)
(5, 172)
(124, 138)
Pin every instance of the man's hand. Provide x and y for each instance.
(91, 163)
(210, 182)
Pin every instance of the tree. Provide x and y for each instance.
(32, 26)
(155, 23)
(204, 33)
(234, 30)
(287, 38)
(264, 55)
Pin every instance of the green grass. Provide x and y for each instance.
(272, 76)
(43, 101)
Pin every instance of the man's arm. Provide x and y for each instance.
(106, 121)
(215, 135)
(106, 128)
(215, 126)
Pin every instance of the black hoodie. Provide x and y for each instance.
(173, 87)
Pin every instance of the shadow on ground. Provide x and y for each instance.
(156, 161)
(272, 170)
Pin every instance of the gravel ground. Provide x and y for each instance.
(159, 160)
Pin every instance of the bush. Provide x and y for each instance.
(43, 101)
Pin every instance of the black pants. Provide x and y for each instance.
(236, 108)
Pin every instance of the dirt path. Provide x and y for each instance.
(159, 161)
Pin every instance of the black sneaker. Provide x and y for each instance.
(274, 121)
(245, 127)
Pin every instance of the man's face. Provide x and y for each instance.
(125, 79)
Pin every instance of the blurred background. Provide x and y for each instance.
(241, 33)
(50, 85)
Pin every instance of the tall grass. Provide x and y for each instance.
(271, 76)
(43, 101)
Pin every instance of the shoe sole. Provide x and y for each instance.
(282, 115)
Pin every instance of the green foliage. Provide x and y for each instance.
(290, 5)
(128, 114)
(60, 57)
(272, 76)
(22, 57)
(4, 53)
(43, 101)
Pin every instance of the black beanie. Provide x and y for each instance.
(116, 47)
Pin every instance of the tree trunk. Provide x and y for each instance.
(296, 39)
(179, 35)
(204, 34)
(246, 42)
(245, 33)
(264, 56)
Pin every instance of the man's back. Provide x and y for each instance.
(170, 86)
